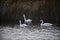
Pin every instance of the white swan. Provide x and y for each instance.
(28, 21)
(45, 24)
(22, 25)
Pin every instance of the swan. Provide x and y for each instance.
(45, 24)
(28, 21)
(22, 25)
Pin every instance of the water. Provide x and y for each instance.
(29, 33)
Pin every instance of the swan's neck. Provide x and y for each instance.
(20, 22)
(24, 16)
(42, 22)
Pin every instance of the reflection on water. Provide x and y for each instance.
(29, 33)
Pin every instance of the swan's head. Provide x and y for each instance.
(41, 21)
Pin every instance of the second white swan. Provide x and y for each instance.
(45, 24)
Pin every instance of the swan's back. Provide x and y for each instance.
(23, 25)
(48, 24)
(28, 20)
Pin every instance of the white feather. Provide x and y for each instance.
(22, 25)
